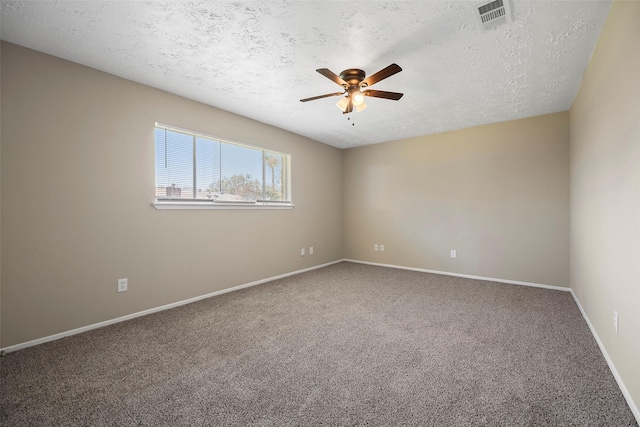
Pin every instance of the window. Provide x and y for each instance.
(209, 171)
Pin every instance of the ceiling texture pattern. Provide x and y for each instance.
(258, 58)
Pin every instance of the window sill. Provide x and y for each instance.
(167, 205)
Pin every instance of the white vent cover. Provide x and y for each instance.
(492, 14)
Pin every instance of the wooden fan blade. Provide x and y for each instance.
(349, 107)
(383, 94)
(321, 96)
(382, 74)
(331, 76)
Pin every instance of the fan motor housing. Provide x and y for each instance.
(353, 76)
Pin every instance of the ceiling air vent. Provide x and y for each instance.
(492, 14)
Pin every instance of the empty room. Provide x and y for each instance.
(191, 232)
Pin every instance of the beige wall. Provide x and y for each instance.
(498, 194)
(77, 186)
(605, 191)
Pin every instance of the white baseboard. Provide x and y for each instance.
(154, 310)
(468, 276)
(614, 371)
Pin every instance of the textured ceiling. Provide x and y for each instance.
(258, 58)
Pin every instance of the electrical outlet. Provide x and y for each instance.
(375, 247)
(302, 252)
(381, 248)
(311, 250)
(122, 285)
(616, 322)
(454, 253)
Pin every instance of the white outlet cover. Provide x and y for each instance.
(302, 252)
(311, 250)
(454, 253)
(375, 247)
(381, 248)
(122, 285)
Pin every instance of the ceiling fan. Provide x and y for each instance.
(354, 83)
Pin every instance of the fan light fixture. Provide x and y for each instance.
(357, 100)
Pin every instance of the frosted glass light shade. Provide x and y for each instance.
(343, 103)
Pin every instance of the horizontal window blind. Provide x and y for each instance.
(192, 166)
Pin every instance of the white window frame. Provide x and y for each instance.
(172, 204)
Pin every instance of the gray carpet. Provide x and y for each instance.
(348, 344)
